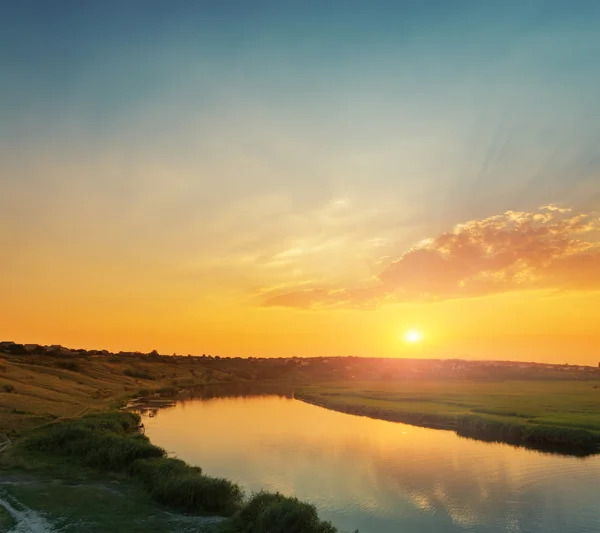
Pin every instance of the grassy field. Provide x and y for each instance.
(95, 505)
(543, 414)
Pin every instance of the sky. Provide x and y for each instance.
(265, 178)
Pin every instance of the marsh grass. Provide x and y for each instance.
(275, 513)
(111, 443)
(558, 416)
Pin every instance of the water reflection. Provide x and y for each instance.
(381, 477)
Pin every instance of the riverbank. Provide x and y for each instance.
(36, 389)
(550, 416)
(90, 464)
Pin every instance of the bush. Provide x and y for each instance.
(150, 471)
(195, 492)
(275, 513)
(8, 387)
(97, 441)
(172, 482)
(111, 442)
(73, 366)
(168, 391)
(139, 373)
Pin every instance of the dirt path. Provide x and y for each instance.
(26, 520)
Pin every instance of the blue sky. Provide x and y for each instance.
(490, 76)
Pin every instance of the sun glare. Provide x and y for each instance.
(413, 336)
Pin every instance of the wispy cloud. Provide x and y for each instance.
(551, 248)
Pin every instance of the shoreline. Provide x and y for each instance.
(109, 447)
(576, 442)
(189, 500)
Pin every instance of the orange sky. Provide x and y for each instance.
(77, 302)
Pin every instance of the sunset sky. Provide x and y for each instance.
(272, 178)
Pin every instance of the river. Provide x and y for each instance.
(377, 476)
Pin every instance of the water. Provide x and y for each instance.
(381, 477)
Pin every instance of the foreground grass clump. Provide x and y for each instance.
(97, 441)
(111, 442)
(275, 513)
(176, 484)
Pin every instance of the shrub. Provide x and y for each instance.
(275, 513)
(73, 366)
(111, 442)
(152, 470)
(95, 439)
(94, 446)
(194, 492)
(292, 516)
(139, 373)
(8, 387)
(168, 391)
(172, 482)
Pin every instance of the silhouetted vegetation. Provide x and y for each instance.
(138, 373)
(275, 513)
(543, 437)
(106, 441)
(73, 366)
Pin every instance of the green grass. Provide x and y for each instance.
(93, 505)
(541, 414)
(109, 444)
(275, 513)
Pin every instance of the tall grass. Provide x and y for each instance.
(572, 427)
(111, 442)
(274, 513)
(97, 441)
(540, 436)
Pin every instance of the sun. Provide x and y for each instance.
(413, 336)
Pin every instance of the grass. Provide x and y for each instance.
(139, 374)
(541, 414)
(93, 505)
(275, 513)
(47, 387)
(110, 444)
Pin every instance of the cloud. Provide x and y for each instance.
(548, 249)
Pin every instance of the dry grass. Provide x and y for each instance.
(34, 390)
